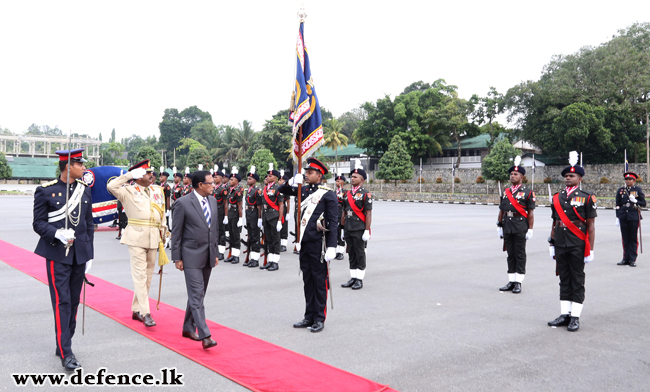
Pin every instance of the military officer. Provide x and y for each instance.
(221, 193)
(515, 225)
(167, 191)
(144, 204)
(356, 223)
(273, 218)
(340, 196)
(65, 271)
(628, 216)
(187, 182)
(234, 219)
(253, 217)
(320, 201)
(284, 233)
(573, 234)
(178, 186)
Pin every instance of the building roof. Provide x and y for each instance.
(350, 151)
(32, 168)
(480, 141)
(548, 160)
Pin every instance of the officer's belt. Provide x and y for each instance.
(144, 223)
(233, 206)
(512, 214)
(559, 223)
(251, 207)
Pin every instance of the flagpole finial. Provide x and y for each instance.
(302, 14)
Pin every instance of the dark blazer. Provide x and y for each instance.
(192, 240)
(50, 197)
(625, 209)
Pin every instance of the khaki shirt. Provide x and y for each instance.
(137, 205)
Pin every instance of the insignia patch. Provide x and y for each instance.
(593, 198)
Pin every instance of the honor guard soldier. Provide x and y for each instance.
(340, 196)
(273, 218)
(572, 242)
(317, 223)
(515, 225)
(187, 182)
(356, 224)
(68, 253)
(234, 219)
(628, 217)
(284, 233)
(221, 193)
(253, 218)
(167, 191)
(144, 204)
(178, 186)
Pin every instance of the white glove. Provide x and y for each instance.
(89, 264)
(240, 222)
(632, 199)
(168, 213)
(296, 180)
(227, 234)
(60, 236)
(500, 232)
(342, 233)
(618, 222)
(225, 220)
(366, 235)
(138, 173)
(551, 251)
(529, 234)
(590, 257)
(259, 223)
(330, 254)
(279, 226)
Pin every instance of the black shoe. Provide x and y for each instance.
(357, 285)
(632, 264)
(220, 256)
(229, 259)
(148, 321)
(561, 321)
(295, 252)
(303, 324)
(137, 317)
(622, 262)
(119, 237)
(574, 325)
(317, 327)
(57, 352)
(340, 256)
(267, 265)
(508, 287)
(283, 248)
(70, 363)
(349, 283)
(517, 288)
(253, 264)
(274, 266)
(246, 264)
(235, 260)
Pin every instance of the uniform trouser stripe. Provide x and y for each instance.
(57, 314)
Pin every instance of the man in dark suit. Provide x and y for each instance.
(195, 238)
(65, 269)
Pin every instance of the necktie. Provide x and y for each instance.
(206, 211)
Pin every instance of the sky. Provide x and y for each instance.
(91, 66)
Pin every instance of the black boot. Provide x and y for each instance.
(266, 266)
(247, 263)
(622, 262)
(339, 256)
(253, 264)
(517, 288)
(574, 324)
(357, 285)
(229, 259)
(235, 260)
(283, 248)
(561, 321)
(273, 267)
(632, 264)
(508, 287)
(349, 283)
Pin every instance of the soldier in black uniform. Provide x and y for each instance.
(253, 218)
(284, 233)
(221, 193)
(313, 267)
(515, 225)
(167, 191)
(273, 218)
(340, 194)
(628, 217)
(572, 243)
(356, 222)
(187, 183)
(234, 219)
(65, 272)
(178, 186)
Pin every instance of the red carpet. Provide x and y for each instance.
(106, 228)
(287, 370)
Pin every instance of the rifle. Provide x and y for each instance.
(83, 317)
(247, 251)
(500, 196)
(324, 230)
(266, 248)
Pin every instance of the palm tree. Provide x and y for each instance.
(242, 139)
(334, 139)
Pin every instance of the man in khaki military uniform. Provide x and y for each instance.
(144, 204)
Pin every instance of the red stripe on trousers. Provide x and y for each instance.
(56, 311)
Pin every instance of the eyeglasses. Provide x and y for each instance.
(207, 183)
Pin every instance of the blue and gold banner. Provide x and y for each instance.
(307, 109)
(104, 203)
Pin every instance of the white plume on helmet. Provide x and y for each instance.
(357, 164)
(253, 168)
(270, 166)
(187, 170)
(162, 169)
(517, 160)
(573, 158)
(234, 170)
(200, 166)
(216, 168)
(174, 169)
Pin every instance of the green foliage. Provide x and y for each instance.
(439, 180)
(189, 145)
(276, 136)
(395, 164)
(350, 121)
(604, 180)
(5, 169)
(261, 160)
(177, 125)
(112, 139)
(480, 180)
(198, 156)
(148, 152)
(498, 161)
(111, 153)
(334, 137)
(548, 180)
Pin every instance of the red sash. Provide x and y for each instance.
(357, 210)
(567, 222)
(273, 205)
(520, 209)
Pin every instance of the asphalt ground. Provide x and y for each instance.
(430, 316)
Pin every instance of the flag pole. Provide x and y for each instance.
(299, 196)
(533, 185)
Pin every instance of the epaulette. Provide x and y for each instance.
(325, 187)
(81, 182)
(49, 183)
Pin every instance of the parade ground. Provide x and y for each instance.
(430, 316)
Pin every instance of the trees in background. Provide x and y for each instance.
(5, 169)
(395, 164)
(499, 160)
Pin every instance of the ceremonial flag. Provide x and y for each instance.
(104, 203)
(305, 109)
